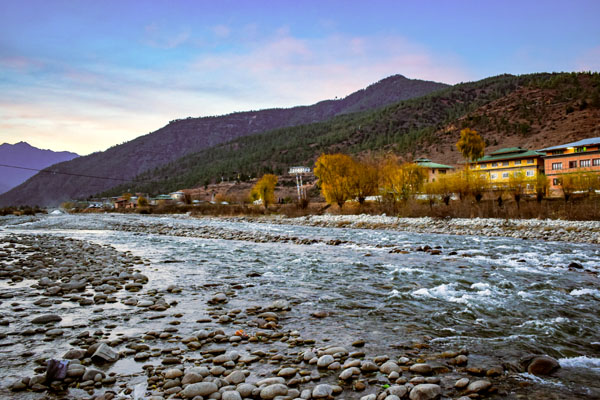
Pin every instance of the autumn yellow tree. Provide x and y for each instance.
(442, 187)
(541, 185)
(517, 184)
(142, 201)
(335, 172)
(264, 189)
(364, 179)
(398, 182)
(470, 145)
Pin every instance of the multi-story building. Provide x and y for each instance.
(583, 155)
(500, 165)
(433, 169)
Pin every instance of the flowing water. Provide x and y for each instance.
(501, 298)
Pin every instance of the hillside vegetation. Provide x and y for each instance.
(503, 108)
(184, 136)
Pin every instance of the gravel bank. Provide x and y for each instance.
(549, 230)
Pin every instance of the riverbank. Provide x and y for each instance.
(533, 229)
(188, 307)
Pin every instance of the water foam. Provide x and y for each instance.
(583, 292)
(580, 362)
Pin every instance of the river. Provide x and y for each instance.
(500, 298)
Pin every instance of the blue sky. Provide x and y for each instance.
(86, 75)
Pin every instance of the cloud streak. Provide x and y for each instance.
(91, 106)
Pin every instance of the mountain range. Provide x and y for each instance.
(24, 155)
(185, 136)
(409, 118)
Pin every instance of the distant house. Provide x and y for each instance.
(580, 156)
(433, 169)
(162, 199)
(124, 202)
(500, 165)
(178, 196)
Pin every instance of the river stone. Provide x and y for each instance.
(321, 391)
(287, 372)
(105, 354)
(425, 391)
(348, 373)
(235, 377)
(221, 359)
(272, 391)
(543, 365)
(173, 373)
(369, 397)
(335, 350)
(74, 354)
(397, 390)
(90, 375)
(389, 367)
(231, 395)
(44, 319)
(479, 386)
(75, 370)
(392, 397)
(461, 383)
(191, 377)
(368, 366)
(245, 389)
(308, 355)
(270, 381)
(219, 298)
(420, 368)
(199, 389)
(325, 360)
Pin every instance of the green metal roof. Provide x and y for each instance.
(429, 164)
(510, 156)
(508, 150)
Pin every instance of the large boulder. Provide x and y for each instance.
(425, 391)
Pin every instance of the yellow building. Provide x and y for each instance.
(501, 164)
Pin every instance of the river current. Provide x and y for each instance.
(501, 298)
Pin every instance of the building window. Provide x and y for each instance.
(483, 176)
(518, 162)
(442, 171)
(529, 186)
(505, 174)
(572, 164)
(505, 164)
(494, 176)
(556, 165)
(556, 181)
(580, 149)
(584, 163)
(530, 161)
(494, 164)
(596, 162)
(556, 152)
(482, 166)
(432, 171)
(530, 172)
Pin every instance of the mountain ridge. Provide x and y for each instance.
(185, 136)
(22, 154)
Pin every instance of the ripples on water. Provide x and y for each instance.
(500, 297)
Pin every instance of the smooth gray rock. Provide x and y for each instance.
(231, 395)
(425, 391)
(44, 319)
(272, 391)
(199, 389)
(325, 361)
(321, 391)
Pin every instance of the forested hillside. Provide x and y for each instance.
(184, 136)
(510, 110)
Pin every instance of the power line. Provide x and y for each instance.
(71, 174)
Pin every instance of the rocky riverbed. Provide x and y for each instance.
(181, 308)
(534, 229)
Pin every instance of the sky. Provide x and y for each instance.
(87, 75)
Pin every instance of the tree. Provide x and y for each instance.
(334, 172)
(470, 145)
(443, 187)
(142, 201)
(517, 183)
(265, 190)
(476, 184)
(541, 186)
(363, 179)
(399, 182)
